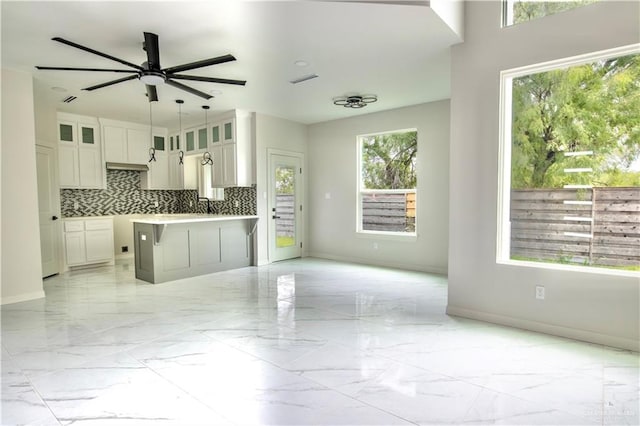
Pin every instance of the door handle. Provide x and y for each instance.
(275, 217)
(54, 217)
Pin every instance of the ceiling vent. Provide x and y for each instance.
(303, 78)
(69, 99)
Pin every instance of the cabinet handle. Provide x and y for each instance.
(275, 217)
(54, 217)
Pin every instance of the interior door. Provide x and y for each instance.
(48, 208)
(285, 206)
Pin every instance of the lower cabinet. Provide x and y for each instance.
(88, 241)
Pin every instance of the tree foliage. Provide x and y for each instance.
(285, 180)
(528, 10)
(389, 160)
(592, 107)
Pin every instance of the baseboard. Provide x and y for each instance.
(397, 265)
(22, 297)
(555, 330)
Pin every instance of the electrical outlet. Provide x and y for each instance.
(190, 203)
(76, 205)
(539, 292)
(125, 249)
(236, 203)
(155, 204)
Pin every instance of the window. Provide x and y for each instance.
(518, 11)
(571, 162)
(387, 182)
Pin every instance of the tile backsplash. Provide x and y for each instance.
(124, 196)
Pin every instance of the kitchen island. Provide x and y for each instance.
(174, 246)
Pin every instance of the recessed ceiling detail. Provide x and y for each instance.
(355, 101)
(303, 78)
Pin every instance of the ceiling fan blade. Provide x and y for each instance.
(95, 52)
(207, 79)
(153, 51)
(188, 89)
(152, 93)
(200, 64)
(109, 83)
(83, 69)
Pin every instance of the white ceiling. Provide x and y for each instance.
(400, 52)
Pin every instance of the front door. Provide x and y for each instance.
(48, 205)
(285, 206)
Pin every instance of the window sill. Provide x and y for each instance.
(389, 236)
(570, 268)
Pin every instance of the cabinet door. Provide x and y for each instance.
(228, 131)
(88, 135)
(159, 172)
(138, 144)
(67, 132)
(90, 168)
(217, 175)
(99, 245)
(190, 137)
(68, 166)
(115, 144)
(74, 248)
(229, 177)
(202, 139)
(176, 172)
(216, 136)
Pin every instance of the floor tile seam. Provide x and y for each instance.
(42, 399)
(177, 386)
(101, 355)
(498, 391)
(360, 401)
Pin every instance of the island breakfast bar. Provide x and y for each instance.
(174, 246)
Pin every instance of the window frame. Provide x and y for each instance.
(503, 234)
(507, 18)
(360, 191)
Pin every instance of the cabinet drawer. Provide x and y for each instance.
(73, 225)
(95, 224)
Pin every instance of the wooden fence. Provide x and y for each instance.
(285, 210)
(599, 226)
(389, 212)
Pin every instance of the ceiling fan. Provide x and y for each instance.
(150, 72)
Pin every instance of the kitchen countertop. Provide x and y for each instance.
(168, 219)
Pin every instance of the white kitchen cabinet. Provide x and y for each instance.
(233, 155)
(68, 166)
(115, 143)
(138, 144)
(88, 241)
(158, 175)
(80, 152)
(176, 172)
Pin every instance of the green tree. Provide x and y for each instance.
(527, 10)
(592, 107)
(389, 160)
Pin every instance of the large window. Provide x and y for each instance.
(387, 182)
(517, 11)
(571, 162)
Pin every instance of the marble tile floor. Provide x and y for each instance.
(301, 342)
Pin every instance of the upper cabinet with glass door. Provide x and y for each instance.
(79, 152)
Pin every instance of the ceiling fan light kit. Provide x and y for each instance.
(355, 101)
(150, 73)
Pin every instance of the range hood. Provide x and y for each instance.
(128, 166)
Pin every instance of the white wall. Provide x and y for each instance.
(602, 308)
(275, 133)
(21, 265)
(333, 170)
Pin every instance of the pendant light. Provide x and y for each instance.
(181, 152)
(206, 157)
(152, 149)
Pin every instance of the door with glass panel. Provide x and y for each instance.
(285, 206)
